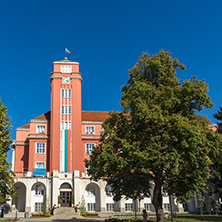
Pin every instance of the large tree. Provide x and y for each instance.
(158, 140)
(6, 175)
(216, 178)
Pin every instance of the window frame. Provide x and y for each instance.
(40, 167)
(40, 148)
(90, 132)
(89, 151)
(37, 129)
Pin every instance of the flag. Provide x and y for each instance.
(67, 51)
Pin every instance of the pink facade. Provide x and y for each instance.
(62, 138)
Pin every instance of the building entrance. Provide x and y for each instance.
(65, 198)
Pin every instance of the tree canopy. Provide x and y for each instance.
(158, 140)
(6, 175)
(216, 178)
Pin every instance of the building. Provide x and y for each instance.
(48, 153)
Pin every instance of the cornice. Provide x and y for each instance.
(38, 137)
(90, 138)
(39, 121)
(91, 122)
(60, 77)
(23, 129)
(20, 144)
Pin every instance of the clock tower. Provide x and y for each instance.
(65, 122)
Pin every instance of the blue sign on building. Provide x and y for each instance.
(39, 172)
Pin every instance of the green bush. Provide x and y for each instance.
(89, 214)
(41, 215)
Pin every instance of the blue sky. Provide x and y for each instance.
(106, 38)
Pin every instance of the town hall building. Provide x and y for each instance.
(48, 153)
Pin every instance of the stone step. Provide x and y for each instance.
(13, 215)
(65, 212)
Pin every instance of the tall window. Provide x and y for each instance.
(39, 190)
(89, 147)
(40, 148)
(66, 69)
(40, 165)
(91, 206)
(110, 207)
(66, 93)
(167, 207)
(147, 206)
(90, 129)
(66, 109)
(129, 207)
(41, 129)
(38, 207)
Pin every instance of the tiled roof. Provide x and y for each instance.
(45, 116)
(95, 116)
(27, 126)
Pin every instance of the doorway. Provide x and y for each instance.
(65, 198)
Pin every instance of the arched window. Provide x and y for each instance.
(39, 190)
(66, 186)
(91, 191)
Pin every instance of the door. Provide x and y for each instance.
(65, 198)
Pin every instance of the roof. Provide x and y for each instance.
(45, 116)
(95, 116)
(65, 61)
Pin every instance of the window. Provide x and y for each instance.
(89, 129)
(66, 109)
(147, 206)
(108, 190)
(66, 69)
(89, 147)
(91, 206)
(38, 207)
(41, 129)
(109, 207)
(40, 148)
(65, 125)
(90, 190)
(39, 190)
(40, 165)
(167, 207)
(66, 93)
(129, 207)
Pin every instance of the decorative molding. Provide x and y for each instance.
(65, 62)
(91, 122)
(23, 129)
(20, 144)
(79, 78)
(60, 77)
(90, 138)
(39, 121)
(55, 77)
(38, 137)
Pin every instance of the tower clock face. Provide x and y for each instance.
(66, 80)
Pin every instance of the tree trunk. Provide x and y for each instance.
(158, 200)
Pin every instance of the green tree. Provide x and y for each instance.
(6, 175)
(158, 138)
(217, 159)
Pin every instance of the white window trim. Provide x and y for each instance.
(36, 147)
(90, 133)
(40, 162)
(66, 69)
(38, 126)
(87, 152)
